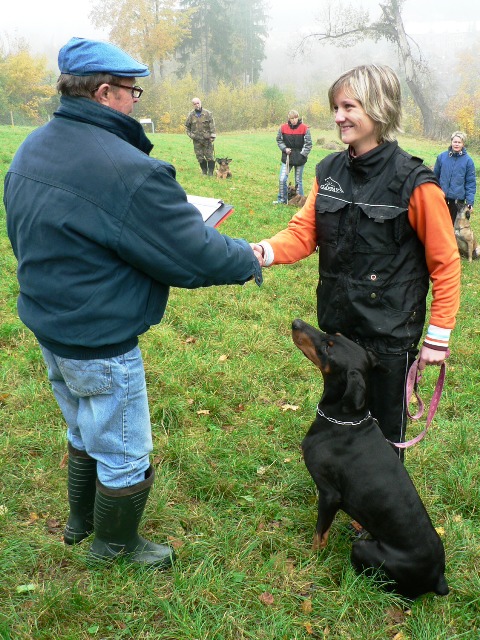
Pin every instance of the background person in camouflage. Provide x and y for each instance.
(200, 128)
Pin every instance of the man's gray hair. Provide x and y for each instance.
(83, 86)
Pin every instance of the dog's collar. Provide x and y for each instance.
(320, 413)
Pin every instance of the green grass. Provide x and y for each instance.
(232, 493)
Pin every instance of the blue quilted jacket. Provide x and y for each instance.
(456, 175)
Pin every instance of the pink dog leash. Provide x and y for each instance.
(413, 380)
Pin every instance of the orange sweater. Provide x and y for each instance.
(429, 216)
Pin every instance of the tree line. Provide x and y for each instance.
(214, 40)
(215, 49)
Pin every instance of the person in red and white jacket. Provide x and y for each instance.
(295, 142)
(379, 221)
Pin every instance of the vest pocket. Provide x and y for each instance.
(329, 214)
(378, 229)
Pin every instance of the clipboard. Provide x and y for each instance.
(212, 210)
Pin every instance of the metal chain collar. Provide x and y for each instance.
(320, 413)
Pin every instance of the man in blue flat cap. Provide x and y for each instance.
(101, 231)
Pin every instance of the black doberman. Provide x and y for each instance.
(357, 471)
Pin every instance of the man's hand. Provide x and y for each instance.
(259, 253)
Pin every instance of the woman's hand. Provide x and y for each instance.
(430, 356)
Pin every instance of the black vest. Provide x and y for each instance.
(373, 273)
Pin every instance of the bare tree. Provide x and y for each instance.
(347, 25)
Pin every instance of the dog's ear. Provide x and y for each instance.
(355, 392)
(229, 160)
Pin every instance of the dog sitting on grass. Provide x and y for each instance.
(466, 242)
(357, 471)
(223, 171)
(294, 198)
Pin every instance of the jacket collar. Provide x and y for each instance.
(91, 112)
(371, 163)
(462, 152)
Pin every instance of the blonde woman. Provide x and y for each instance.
(381, 225)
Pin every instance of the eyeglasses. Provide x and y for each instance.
(135, 90)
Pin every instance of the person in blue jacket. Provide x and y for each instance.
(101, 231)
(455, 171)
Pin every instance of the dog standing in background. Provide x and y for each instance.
(467, 245)
(223, 170)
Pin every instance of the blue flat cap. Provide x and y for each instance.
(81, 57)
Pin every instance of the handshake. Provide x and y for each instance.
(259, 252)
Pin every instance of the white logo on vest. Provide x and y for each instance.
(331, 185)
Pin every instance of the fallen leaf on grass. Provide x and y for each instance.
(307, 606)
(190, 340)
(289, 407)
(396, 615)
(3, 510)
(223, 358)
(203, 412)
(63, 461)
(25, 588)
(3, 398)
(440, 531)
(266, 598)
(308, 628)
(53, 526)
(176, 543)
(33, 517)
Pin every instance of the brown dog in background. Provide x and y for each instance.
(223, 170)
(294, 198)
(467, 245)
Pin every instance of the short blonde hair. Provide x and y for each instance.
(293, 114)
(459, 134)
(377, 88)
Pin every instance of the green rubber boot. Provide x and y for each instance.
(82, 478)
(117, 516)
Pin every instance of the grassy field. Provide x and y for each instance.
(231, 398)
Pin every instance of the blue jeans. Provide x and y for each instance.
(283, 182)
(105, 405)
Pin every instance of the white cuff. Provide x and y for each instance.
(437, 337)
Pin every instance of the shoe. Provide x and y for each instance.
(117, 515)
(82, 478)
(278, 202)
